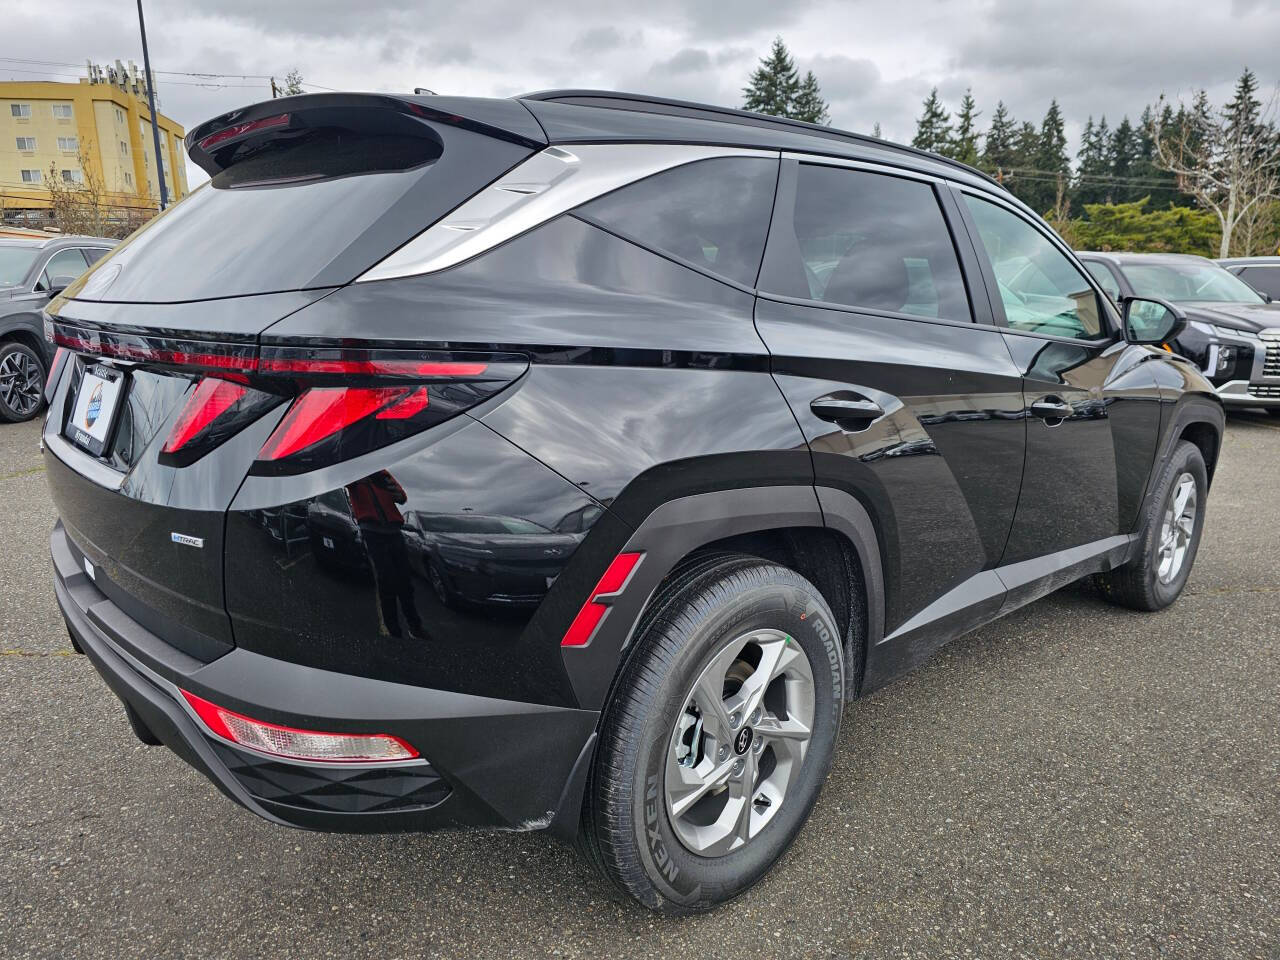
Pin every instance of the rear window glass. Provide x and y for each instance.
(1263, 279)
(300, 206)
(868, 240)
(713, 214)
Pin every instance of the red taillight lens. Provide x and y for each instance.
(593, 611)
(296, 744)
(208, 401)
(322, 412)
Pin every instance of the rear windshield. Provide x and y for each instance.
(298, 207)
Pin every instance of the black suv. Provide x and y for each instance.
(567, 462)
(32, 271)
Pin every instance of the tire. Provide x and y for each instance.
(22, 378)
(727, 613)
(1139, 584)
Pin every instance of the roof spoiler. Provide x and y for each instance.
(504, 119)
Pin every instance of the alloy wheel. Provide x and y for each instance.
(21, 382)
(739, 742)
(1177, 529)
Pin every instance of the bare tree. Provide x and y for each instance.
(77, 198)
(79, 203)
(1232, 168)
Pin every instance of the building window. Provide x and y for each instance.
(119, 115)
(128, 179)
(26, 144)
(30, 176)
(68, 144)
(62, 111)
(72, 176)
(124, 149)
(20, 110)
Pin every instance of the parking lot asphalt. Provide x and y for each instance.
(1072, 781)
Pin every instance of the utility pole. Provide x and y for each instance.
(155, 117)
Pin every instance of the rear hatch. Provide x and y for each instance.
(163, 400)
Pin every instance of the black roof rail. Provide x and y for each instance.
(706, 111)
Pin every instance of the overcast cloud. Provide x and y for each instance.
(875, 60)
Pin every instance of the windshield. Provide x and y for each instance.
(1189, 281)
(14, 264)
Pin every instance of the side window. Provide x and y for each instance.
(868, 240)
(64, 263)
(94, 254)
(1263, 279)
(1042, 290)
(712, 213)
(1106, 279)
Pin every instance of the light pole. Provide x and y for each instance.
(151, 100)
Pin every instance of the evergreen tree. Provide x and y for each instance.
(1049, 163)
(1242, 112)
(1026, 148)
(1158, 185)
(1093, 163)
(1124, 157)
(774, 85)
(997, 149)
(964, 145)
(809, 105)
(933, 129)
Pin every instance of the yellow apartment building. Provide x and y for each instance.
(102, 123)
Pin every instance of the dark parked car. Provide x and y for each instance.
(765, 412)
(1261, 273)
(1234, 331)
(31, 272)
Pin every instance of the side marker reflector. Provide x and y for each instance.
(615, 578)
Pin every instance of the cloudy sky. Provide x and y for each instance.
(875, 60)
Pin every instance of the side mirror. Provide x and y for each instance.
(1151, 320)
(58, 284)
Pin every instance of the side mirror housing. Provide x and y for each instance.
(58, 284)
(1151, 320)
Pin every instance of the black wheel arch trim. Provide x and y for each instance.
(680, 526)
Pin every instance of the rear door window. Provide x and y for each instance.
(1263, 279)
(868, 240)
(713, 214)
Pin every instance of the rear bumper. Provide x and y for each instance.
(487, 762)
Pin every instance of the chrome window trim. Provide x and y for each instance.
(547, 184)
(870, 166)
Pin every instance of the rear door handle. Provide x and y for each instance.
(847, 410)
(1052, 408)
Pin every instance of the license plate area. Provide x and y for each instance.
(97, 405)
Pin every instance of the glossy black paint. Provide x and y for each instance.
(954, 467)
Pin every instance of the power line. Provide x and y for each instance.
(182, 83)
(176, 73)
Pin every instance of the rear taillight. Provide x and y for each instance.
(351, 400)
(343, 400)
(214, 411)
(296, 744)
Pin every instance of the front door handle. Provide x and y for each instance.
(849, 411)
(1052, 408)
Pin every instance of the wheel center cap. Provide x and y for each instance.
(742, 742)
